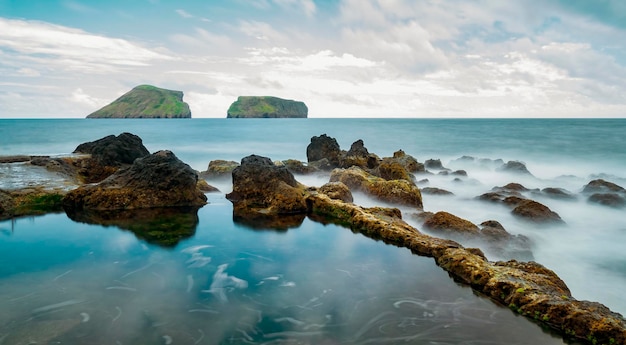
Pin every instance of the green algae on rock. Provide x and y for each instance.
(146, 101)
(266, 107)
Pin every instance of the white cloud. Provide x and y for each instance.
(183, 13)
(70, 47)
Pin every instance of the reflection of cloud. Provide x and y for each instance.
(223, 282)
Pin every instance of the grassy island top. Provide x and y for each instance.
(266, 107)
(146, 101)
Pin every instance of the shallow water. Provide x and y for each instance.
(587, 252)
(74, 283)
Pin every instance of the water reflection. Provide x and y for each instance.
(315, 284)
(165, 226)
(259, 221)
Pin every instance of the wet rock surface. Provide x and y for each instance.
(399, 192)
(157, 180)
(605, 193)
(260, 186)
(108, 155)
(219, 168)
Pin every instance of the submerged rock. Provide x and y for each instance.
(400, 192)
(608, 199)
(157, 180)
(515, 167)
(602, 186)
(536, 212)
(558, 194)
(259, 186)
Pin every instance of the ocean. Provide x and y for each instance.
(236, 283)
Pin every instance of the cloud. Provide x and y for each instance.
(307, 6)
(69, 48)
(183, 13)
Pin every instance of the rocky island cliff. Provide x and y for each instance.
(146, 101)
(266, 107)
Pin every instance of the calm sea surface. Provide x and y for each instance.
(69, 282)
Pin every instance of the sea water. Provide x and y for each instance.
(320, 284)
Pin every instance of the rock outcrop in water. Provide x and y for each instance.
(147, 102)
(400, 192)
(605, 193)
(261, 187)
(266, 107)
(157, 180)
(108, 155)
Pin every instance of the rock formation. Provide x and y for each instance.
(399, 192)
(157, 180)
(108, 155)
(266, 107)
(261, 187)
(146, 101)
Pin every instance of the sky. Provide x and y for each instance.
(343, 58)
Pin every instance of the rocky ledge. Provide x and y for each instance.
(262, 188)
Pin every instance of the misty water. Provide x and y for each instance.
(227, 282)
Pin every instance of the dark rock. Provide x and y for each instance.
(205, 187)
(512, 187)
(608, 199)
(399, 192)
(513, 200)
(446, 223)
(535, 212)
(259, 186)
(408, 162)
(434, 164)
(7, 205)
(337, 190)
(219, 168)
(459, 173)
(357, 156)
(324, 147)
(558, 193)
(322, 164)
(297, 167)
(393, 169)
(515, 167)
(602, 186)
(108, 155)
(435, 191)
(491, 197)
(157, 180)
(14, 159)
